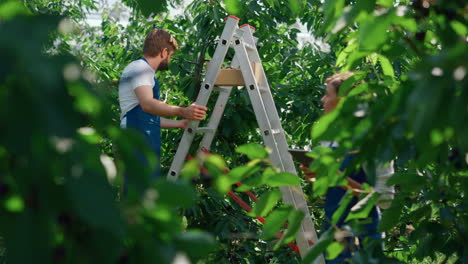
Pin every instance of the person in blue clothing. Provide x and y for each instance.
(354, 178)
(141, 108)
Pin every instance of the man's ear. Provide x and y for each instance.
(164, 53)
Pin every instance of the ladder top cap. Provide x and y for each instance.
(231, 16)
(247, 25)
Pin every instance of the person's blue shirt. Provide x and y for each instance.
(332, 203)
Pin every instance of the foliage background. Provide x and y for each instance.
(62, 155)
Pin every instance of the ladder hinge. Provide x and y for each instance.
(272, 132)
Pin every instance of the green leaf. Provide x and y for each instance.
(14, 204)
(459, 28)
(283, 179)
(323, 123)
(93, 200)
(216, 160)
(85, 102)
(373, 32)
(294, 223)
(190, 170)
(253, 151)
(178, 193)
(223, 183)
(296, 7)
(334, 249)
(361, 88)
(408, 23)
(148, 7)
(325, 240)
(12, 8)
(239, 173)
(275, 222)
(391, 216)
(408, 182)
(420, 213)
(195, 243)
(344, 54)
(363, 207)
(332, 10)
(233, 7)
(266, 202)
(352, 13)
(387, 67)
(385, 3)
(344, 202)
(350, 82)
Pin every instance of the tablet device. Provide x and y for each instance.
(300, 156)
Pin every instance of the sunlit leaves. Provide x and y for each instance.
(233, 7)
(253, 151)
(275, 221)
(11, 8)
(296, 6)
(14, 204)
(334, 249)
(460, 28)
(386, 66)
(373, 32)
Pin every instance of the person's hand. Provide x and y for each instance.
(309, 175)
(183, 124)
(194, 112)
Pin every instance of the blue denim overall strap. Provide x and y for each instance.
(148, 125)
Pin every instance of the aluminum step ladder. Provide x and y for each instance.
(241, 39)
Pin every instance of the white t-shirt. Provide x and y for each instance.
(136, 74)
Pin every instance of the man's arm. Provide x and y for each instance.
(168, 123)
(157, 107)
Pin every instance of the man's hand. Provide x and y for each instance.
(183, 123)
(194, 112)
(309, 175)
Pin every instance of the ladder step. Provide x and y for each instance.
(247, 46)
(205, 130)
(226, 89)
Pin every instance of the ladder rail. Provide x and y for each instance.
(269, 139)
(216, 116)
(265, 109)
(202, 99)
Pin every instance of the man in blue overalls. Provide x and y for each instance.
(355, 178)
(140, 106)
